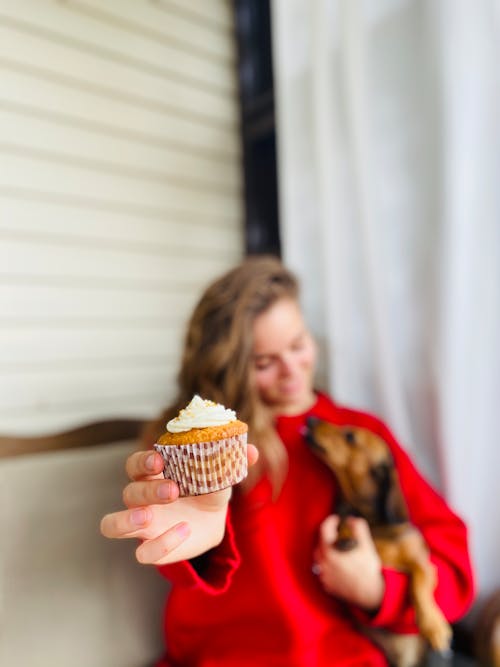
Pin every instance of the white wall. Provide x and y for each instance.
(120, 196)
(389, 160)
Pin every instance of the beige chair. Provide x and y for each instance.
(67, 595)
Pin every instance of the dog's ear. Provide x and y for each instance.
(391, 506)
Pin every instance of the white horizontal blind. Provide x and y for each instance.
(120, 197)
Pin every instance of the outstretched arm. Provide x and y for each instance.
(170, 528)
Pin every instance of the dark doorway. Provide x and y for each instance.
(256, 84)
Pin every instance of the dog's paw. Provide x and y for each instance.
(437, 631)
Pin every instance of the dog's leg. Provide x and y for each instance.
(400, 650)
(345, 540)
(430, 619)
(410, 554)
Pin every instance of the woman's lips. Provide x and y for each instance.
(291, 388)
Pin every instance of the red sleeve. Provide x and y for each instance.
(446, 537)
(212, 572)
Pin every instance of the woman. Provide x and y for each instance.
(244, 588)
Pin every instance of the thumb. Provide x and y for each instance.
(328, 531)
(252, 454)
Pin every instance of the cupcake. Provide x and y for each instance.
(204, 448)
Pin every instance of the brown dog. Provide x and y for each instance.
(369, 487)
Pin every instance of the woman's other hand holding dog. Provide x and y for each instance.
(355, 575)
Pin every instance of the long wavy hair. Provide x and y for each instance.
(217, 358)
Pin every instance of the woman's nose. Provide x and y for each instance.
(287, 367)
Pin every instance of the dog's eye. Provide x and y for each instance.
(350, 437)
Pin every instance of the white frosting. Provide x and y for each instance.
(200, 414)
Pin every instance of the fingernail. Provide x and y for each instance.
(183, 529)
(139, 517)
(150, 462)
(165, 491)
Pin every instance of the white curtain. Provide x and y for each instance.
(388, 116)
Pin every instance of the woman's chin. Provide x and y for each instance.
(295, 402)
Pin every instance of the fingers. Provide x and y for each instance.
(145, 523)
(150, 492)
(128, 523)
(157, 550)
(327, 535)
(144, 465)
(140, 523)
(328, 530)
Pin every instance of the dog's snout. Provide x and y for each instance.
(311, 422)
(308, 432)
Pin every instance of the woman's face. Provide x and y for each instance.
(284, 357)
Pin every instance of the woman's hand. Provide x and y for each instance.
(355, 575)
(171, 528)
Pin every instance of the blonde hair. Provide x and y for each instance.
(217, 358)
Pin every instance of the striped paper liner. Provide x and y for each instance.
(205, 467)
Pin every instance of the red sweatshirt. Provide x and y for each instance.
(256, 601)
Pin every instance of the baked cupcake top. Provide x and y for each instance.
(201, 421)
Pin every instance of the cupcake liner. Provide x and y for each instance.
(205, 467)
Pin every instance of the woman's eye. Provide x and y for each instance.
(262, 365)
(298, 345)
